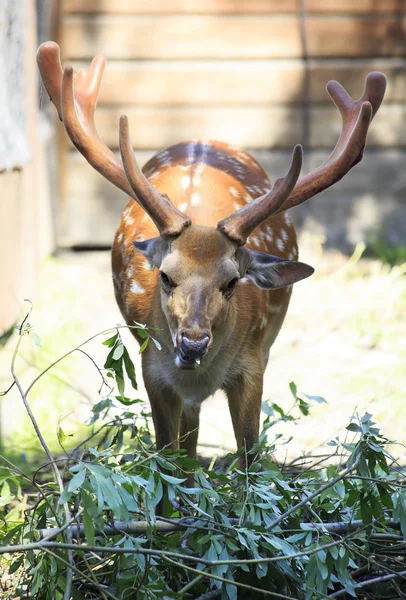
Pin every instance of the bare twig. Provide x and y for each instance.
(164, 553)
(168, 526)
(82, 575)
(46, 450)
(368, 582)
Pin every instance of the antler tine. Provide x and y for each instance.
(49, 64)
(75, 98)
(169, 220)
(239, 225)
(77, 110)
(356, 116)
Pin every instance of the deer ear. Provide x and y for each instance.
(154, 250)
(271, 272)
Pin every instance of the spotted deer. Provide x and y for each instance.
(206, 251)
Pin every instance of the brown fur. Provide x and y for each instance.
(208, 182)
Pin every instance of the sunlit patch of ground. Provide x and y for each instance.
(343, 339)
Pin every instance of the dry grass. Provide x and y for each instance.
(344, 339)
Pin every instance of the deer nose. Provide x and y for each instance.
(193, 348)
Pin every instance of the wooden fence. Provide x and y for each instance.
(251, 72)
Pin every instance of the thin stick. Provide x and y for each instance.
(164, 553)
(141, 527)
(368, 582)
(82, 575)
(47, 452)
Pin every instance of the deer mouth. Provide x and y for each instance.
(183, 361)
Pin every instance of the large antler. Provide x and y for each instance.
(349, 150)
(75, 99)
(239, 225)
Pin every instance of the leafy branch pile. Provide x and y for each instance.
(319, 527)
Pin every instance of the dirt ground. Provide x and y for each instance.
(343, 339)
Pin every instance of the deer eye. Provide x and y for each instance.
(228, 289)
(167, 284)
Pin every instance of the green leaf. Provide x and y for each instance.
(384, 496)
(293, 389)
(89, 528)
(118, 351)
(366, 511)
(141, 333)
(303, 407)
(173, 480)
(111, 341)
(61, 435)
(130, 369)
(77, 480)
(157, 344)
(353, 427)
(15, 565)
(144, 345)
(36, 339)
(318, 399)
(127, 401)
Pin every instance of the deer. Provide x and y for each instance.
(206, 251)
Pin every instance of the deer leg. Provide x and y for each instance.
(189, 432)
(244, 400)
(189, 428)
(166, 407)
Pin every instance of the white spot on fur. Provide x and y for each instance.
(135, 288)
(185, 181)
(280, 244)
(196, 176)
(129, 221)
(291, 256)
(147, 265)
(183, 207)
(234, 192)
(284, 235)
(120, 238)
(247, 198)
(140, 238)
(256, 241)
(145, 218)
(288, 218)
(237, 206)
(195, 199)
(263, 322)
